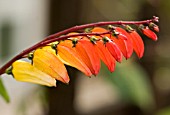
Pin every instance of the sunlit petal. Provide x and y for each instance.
(46, 61)
(25, 72)
(70, 57)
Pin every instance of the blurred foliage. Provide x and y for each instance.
(165, 111)
(132, 83)
(3, 91)
(113, 8)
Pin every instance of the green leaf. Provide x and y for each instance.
(132, 83)
(3, 91)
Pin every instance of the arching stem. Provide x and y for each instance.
(57, 36)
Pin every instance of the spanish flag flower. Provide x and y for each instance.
(83, 50)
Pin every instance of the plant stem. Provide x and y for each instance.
(57, 36)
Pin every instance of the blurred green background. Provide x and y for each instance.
(137, 87)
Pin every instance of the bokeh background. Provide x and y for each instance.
(137, 87)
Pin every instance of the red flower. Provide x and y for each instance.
(137, 41)
(149, 33)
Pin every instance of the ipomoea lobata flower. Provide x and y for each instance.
(47, 61)
(25, 72)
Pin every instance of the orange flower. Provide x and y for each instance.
(85, 49)
(69, 56)
(46, 61)
(91, 53)
(110, 44)
(121, 39)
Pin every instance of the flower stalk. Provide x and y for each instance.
(62, 36)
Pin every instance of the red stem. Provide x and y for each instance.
(55, 37)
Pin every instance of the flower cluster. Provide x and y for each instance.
(83, 51)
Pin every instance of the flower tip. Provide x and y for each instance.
(66, 80)
(55, 85)
(119, 59)
(156, 28)
(140, 55)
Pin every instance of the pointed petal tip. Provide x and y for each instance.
(67, 80)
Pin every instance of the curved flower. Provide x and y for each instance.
(46, 61)
(149, 33)
(138, 44)
(114, 50)
(105, 55)
(88, 46)
(121, 39)
(70, 57)
(154, 27)
(25, 72)
(82, 51)
(85, 49)
(124, 42)
(110, 44)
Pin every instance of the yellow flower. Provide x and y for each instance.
(46, 61)
(25, 72)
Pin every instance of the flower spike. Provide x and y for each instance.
(82, 50)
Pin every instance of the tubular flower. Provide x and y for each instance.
(110, 44)
(154, 27)
(24, 71)
(81, 47)
(92, 54)
(137, 41)
(50, 64)
(70, 57)
(149, 33)
(105, 55)
(114, 49)
(85, 49)
(123, 41)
